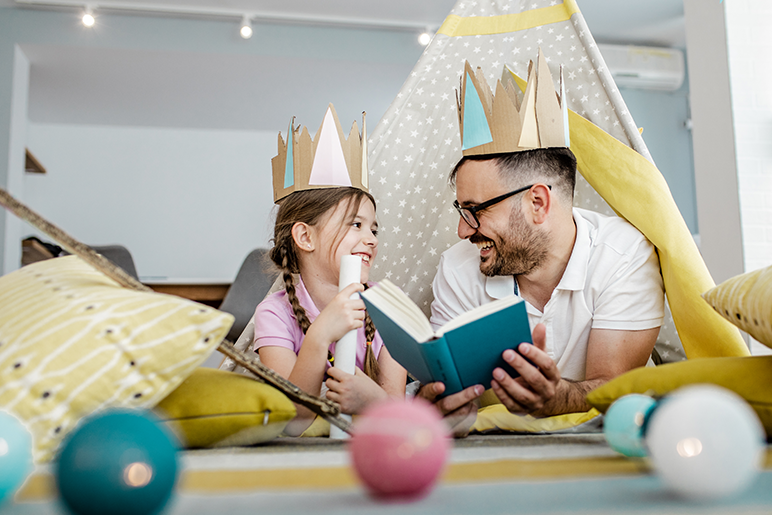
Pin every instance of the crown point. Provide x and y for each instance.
(476, 128)
(501, 122)
(365, 163)
(289, 164)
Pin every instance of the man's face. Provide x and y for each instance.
(509, 243)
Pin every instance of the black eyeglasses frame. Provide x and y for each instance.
(472, 211)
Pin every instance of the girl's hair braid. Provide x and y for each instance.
(372, 368)
(289, 287)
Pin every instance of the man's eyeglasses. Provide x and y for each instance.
(469, 214)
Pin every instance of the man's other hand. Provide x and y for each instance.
(459, 409)
(539, 380)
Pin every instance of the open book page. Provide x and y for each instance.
(395, 304)
(477, 313)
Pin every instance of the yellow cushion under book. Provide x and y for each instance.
(72, 342)
(215, 408)
(493, 417)
(749, 377)
(497, 419)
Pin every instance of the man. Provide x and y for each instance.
(592, 284)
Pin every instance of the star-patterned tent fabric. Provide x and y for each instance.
(417, 143)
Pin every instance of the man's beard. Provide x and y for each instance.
(522, 249)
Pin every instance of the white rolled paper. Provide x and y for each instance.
(346, 348)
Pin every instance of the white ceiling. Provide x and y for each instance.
(225, 90)
(398, 12)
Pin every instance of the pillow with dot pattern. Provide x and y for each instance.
(72, 342)
(746, 301)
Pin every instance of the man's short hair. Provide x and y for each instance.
(554, 166)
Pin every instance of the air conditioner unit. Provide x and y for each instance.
(645, 67)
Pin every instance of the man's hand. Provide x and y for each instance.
(540, 391)
(459, 410)
(538, 383)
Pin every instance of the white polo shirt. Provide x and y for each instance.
(612, 281)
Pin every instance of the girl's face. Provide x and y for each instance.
(358, 237)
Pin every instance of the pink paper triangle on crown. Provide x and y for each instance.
(329, 168)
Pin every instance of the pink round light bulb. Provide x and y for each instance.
(399, 448)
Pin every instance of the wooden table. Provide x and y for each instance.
(206, 292)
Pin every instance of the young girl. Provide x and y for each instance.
(296, 329)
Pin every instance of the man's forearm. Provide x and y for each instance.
(569, 398)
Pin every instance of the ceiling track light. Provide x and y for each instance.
(246, 27)
(426, 36)
(88, 19)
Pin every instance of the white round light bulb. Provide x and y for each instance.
(705, 442)
(425, 38)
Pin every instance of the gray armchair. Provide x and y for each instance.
(252, 283)
(120, 256)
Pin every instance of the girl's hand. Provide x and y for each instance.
(340, 316)
(353, 392)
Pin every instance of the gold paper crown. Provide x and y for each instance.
(329, 161)
(502, 123)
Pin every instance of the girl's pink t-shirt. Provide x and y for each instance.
(275, 325)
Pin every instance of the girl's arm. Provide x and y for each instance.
(306, 369)
(393, 377)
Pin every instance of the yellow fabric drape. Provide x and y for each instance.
(636, 191)
(456, 26)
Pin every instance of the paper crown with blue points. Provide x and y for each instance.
(328, 161)
(503, 123)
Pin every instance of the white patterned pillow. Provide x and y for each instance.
(72, 342)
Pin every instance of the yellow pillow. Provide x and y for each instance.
(746, 301)
(215, 408)
(319, 427)
(749, 377)
(496, 419)
(73, 342)
(493, 417)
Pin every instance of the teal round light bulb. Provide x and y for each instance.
(15, 455)
(625, 422)
(119, 462)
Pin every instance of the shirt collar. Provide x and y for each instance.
(305, 300)
(500, 286)
(576, 271)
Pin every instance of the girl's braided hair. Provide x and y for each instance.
(310, 206)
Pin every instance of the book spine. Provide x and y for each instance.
(440, 363)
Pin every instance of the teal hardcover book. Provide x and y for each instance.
(461, 353)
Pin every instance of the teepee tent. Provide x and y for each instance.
(416, 144)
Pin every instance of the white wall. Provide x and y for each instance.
(715, 176)
(749, 40)
(199, 203)
(14, 182)
(187, 203)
